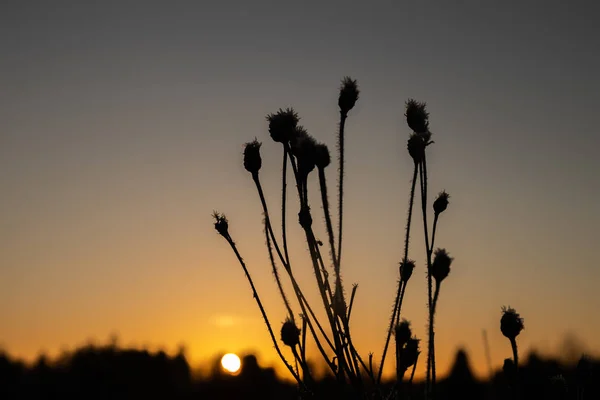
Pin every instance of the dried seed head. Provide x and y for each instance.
(440, 268)
(348, 95)
(417, 116)
(304, 217)
(511, 323)
(410, 353)
(406, 270)
(282, 124)
(304, 148)
(402, 332)
(221, 224)
(322, 157)
(252, 160)
(290, 334)
(417, 142)
(441, 203)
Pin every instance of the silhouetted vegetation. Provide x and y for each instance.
(109, 372)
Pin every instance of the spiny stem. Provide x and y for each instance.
(276, 274)
(325, 201)
(262, 310)
(391, 327)
(283, 204)
(343, 117)
(423, 180)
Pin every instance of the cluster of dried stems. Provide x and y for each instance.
(357, 376)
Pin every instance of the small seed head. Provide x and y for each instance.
(322, 157)
(410, 353)
(290, 334)
(406, 270)
(441, 203)
(417, 116)
(304, 148)
(511, 323)
(440, 268)
(348, 95)
(282, 124)
(221, 224)
(403, 332)
(304, 217)
(252, 159)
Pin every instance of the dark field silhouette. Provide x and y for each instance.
(110, 372)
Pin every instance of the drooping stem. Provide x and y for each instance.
(262, 310)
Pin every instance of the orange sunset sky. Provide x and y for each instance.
(122, 128)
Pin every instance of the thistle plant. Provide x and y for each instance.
(332, 334)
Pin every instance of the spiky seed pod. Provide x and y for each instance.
(221, 224)
(511, 323)
(416, 147)
(410, 353)
(252, 159)
(402, 332)
(304, 217)
(282, 124)
(417, 116)
(348, 95)
(304, 148)
(322, 157)
(441, 203)
(290, 334)
(406, 270)
(440, 267)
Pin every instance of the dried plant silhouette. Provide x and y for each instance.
(356, 374)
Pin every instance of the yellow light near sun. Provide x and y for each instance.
(231, 363)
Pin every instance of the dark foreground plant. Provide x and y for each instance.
(357, 377)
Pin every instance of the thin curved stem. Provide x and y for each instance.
(276, 274)
(262, 310)
(283, 205)
(391, 327)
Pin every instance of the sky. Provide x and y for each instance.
(122, 127)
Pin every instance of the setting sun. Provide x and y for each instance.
(231, 363)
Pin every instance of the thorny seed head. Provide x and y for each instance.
(410, 353)
(304, 148)
(322, 157)
(304, 217)
(403, 332)
(348, 95)
(221, 224)
(290, 334)
(440, 267)
(282, 124)
(417, 116)
(441, 203)
(417, 142)
(406, 270)
(511, 323)
(252, 160)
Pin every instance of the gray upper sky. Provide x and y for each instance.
(122, 124)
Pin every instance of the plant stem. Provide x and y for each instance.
(283, 204)
(262, 310)
(423, 179)
(343, 117)
(276, 274)
(391, 327)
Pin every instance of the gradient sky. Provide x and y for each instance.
(122, 125)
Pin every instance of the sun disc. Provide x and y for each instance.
(231, 363)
